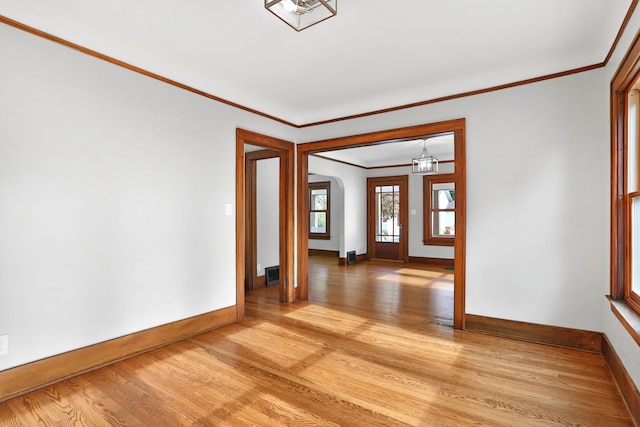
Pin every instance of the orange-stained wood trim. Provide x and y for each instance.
(250, 224)
(240, 225)
(625, 383)
(322, 185)
(324, 252)
(543, 334)
(427, 209)
(622, 82)
(302, 291)
(400, 134)
(628, 317)
(381, 137)
(460, 252)
(135, 69)
(623, 26)
(286, 151)
(25, 378)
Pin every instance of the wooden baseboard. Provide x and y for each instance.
(38, 374)
(359, 258)
(553, 335)
(565, 337)
(625, 383)
(435, 261)
(323, 252)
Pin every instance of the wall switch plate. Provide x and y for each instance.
(4, 344)
(228, 209)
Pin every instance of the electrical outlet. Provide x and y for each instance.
(259, 267)
(4, 344)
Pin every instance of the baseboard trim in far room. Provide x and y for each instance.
(32, 376)
(324, 252)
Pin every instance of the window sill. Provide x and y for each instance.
(629, 318)
(439, 242)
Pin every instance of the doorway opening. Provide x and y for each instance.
(454, 127)
(246, 267)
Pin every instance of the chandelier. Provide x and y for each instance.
(425, 164)
(301, 14)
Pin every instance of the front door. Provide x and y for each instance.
(387, 218)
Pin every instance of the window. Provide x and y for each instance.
(387, 213)
(625, 190)
(319, 210)
(439, 199)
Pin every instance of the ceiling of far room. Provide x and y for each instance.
(373, 55)
(394, 153)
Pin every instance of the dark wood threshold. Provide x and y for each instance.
(434, 261)
(32, 376)
(623, 380)
(629, 318)
(543, 334)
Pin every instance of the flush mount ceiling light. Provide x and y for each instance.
(301, 14)
(425, 164)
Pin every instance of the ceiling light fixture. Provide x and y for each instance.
(301, 14)
(425, 164)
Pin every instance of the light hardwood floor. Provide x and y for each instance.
(367, 350)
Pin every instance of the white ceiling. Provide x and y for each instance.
(373, 55)
(394, 153)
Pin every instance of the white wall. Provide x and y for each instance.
(336, 215)
(353, 181)
(112, 199)
(268, 213)
(538, 242)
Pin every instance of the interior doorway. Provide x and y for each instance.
(455, 127)
(285, 152)
(262, 218)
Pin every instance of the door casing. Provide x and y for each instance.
(286, 150)
(456, 126)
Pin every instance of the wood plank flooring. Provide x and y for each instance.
(365, 351)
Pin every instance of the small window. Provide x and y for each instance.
(439, 198)
(319, 195)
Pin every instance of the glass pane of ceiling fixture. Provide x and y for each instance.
(301, 14)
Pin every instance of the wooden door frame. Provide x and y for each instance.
(404, 215)
(286, 152)
(251, 228)
(381, 137)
